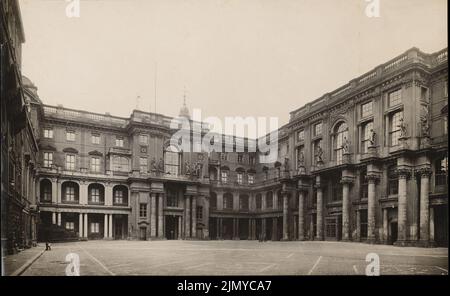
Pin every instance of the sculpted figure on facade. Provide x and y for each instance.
(402, 127)
(372, 136)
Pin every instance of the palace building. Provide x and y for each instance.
(366, 162)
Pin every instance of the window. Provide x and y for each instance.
(301, 135)
(95, 164)
(239, 178)
(143, 210)
(70, 193)
(395, 98)
(143, 139)
(224, 156)
(119, 141)
(172, 198)
(316, 149)
(48, 159)
(269, 200)
(120, 164)
(366, 109)
(228, 201)
(143, 164)
(118, 197)
(243, 202)
(250, 179)
(364, 184)
(336, 194)
(70, 225)
(340, 138)
(95, 138)
(70, 162)
(441, 169)
(367, 127)
(394, 128)
(224, 176)
(95, 195)
(46, 188)
(251, 159)
(240, 158)
(445, 120)
(266, 174)
(48, 133)
(318, 129)
(392, 181)
(70, 135)
(95, 227)
(213, 200)
(258, 202)
(172, 160)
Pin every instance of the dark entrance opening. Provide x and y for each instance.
(171, 227)
(393, 230)
(441, 225)
(143, 233)
(213, 228)
(269, 229)
(243, 228)
(363, 224)
(227, 228)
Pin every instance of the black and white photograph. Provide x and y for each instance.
(224, 138)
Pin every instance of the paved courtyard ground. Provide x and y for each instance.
(236, 258)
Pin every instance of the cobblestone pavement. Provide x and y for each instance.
(14, 264)
(237, 258)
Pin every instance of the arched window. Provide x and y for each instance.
(96, 194)
(225, 171)
(46, 190)
(70, 192)
(172, 160)
(212, 173)
(340, 136)
(243, 202)
(120, 195)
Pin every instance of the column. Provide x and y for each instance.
(160, 216)
(319, 223)
(263, 229)
(402, 204)
(152, 215)
(285, 216)
(424, 206)
(431, 224)
(358, 225)
(220, 228)
(371, 208)
(105, 227)
(80, 225)
(187, 228)
(180, 227)
(237, 228)
(301, 217)
(254, 229)
(85, 232)
(110, 226)
(385, 225)
(58, 191)
(274, 229)
(250, 234)
(194, 217)
(53, 218)
(345, 210)
(234, 229)
(59, 219)
(54, 191)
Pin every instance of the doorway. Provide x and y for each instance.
(143, 233)
(171, 227)
(393, 231)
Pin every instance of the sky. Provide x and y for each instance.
(229, 58)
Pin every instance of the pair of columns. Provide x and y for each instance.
(156, 230)
(108, 226)
(190, 228)
(83, 225)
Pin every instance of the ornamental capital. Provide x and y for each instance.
(347, 180)
(424, 172)
(372, 178)
(404, 173)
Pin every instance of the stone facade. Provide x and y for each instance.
(366, 162)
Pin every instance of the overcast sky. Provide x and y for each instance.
(235, 58)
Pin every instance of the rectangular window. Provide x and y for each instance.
(70, 135)
(48, 133)
(318, 129)
(301, 135)
(224, 177)
(395, 131)
(240, 158)
(70, 162)
(251, 159)
(258, 202)
(95, 227)
(70, 225)
(250, 179)
(366, 109)
(95, 164)
(70, 193)
(143, 139)
(143, 210)
(118, 197)
(143, 164)
(95, 139)
(95, 195)
(440, 175)
(395, 98)
(119, 141)
(239, 178)
(199, 213)
(48, 159)
(367, 128)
